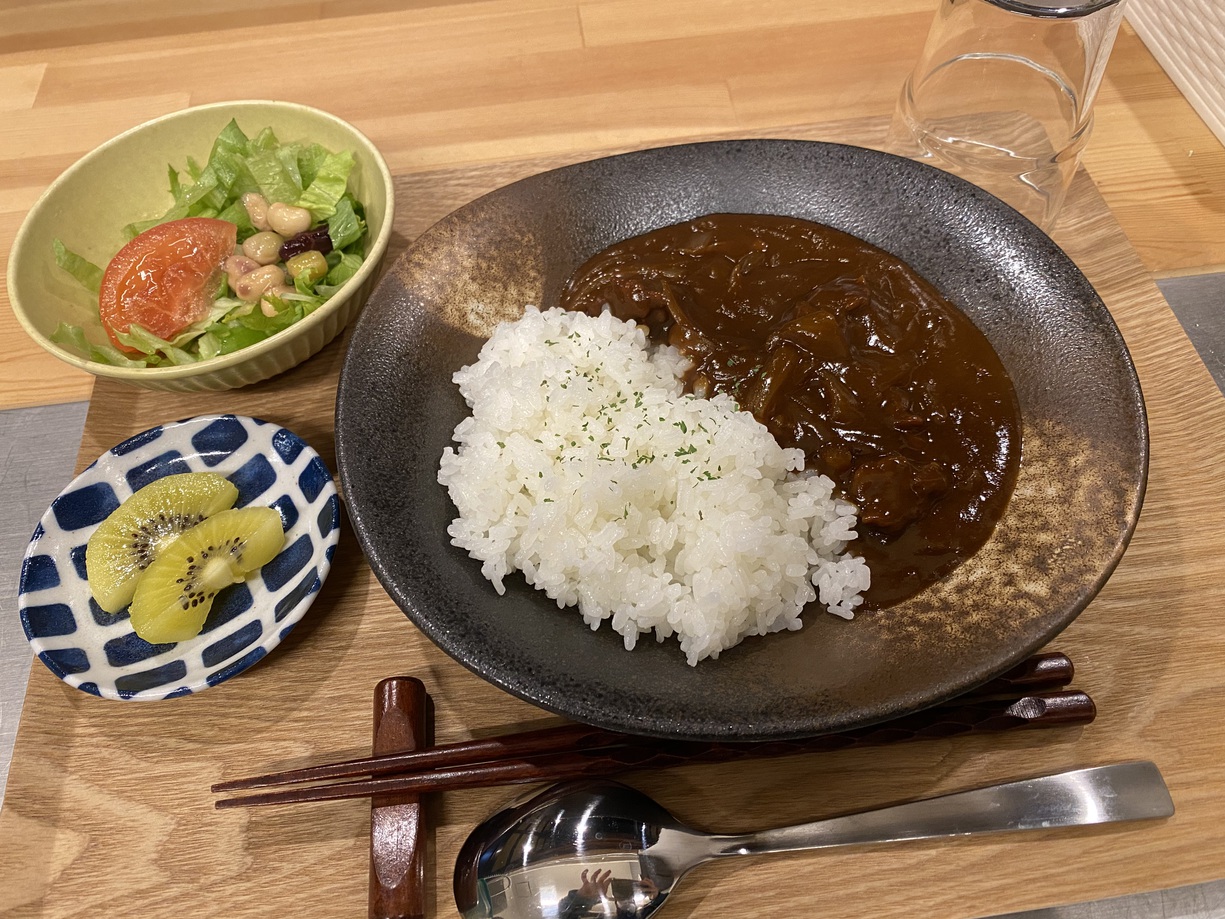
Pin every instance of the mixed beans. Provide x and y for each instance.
(284, 248)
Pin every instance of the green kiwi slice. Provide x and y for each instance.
(129, 540)
(176, 591)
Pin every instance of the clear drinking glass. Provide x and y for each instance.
(1003, 92)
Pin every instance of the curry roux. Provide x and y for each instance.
(844, 351)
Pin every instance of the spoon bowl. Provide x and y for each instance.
(602, 850)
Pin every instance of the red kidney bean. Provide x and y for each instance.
(316, 239)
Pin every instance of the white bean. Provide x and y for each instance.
(257, 209)
(264, 247)
(288, 220)
(277, 290)
(236, 266)
(252, 285)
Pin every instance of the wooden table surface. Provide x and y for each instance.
(107, 810)
(438, 83)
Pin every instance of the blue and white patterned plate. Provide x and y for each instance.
(98, 652)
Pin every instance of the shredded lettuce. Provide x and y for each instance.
(343, 269)
(231, 140)
(302, 285)
(310, 159)
(305, 174)
(74, 336)
(276, 182)
(264, 140)
(329, 186)
(236, 213)
(86, 272)
(345, 226)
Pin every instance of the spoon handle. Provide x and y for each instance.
(1105, 794)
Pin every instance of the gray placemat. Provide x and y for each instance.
(38, 451)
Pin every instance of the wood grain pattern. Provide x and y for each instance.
(438, 83)
(108, 810)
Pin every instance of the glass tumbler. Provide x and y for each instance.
(1003, 92)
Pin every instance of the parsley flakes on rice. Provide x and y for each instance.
(586, 466)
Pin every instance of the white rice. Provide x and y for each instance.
(585, 466)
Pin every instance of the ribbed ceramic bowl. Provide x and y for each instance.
(124, 180)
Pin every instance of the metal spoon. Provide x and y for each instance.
(590, 849)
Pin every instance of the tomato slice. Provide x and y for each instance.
(165, 278)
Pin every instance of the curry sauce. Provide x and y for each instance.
(844, 351)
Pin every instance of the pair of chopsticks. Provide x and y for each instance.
(1032, 695)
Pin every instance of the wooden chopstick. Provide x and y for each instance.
(1033, 710)
(507, 746)
(1038, 709)
(1047, 671)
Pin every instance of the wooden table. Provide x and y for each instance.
(107, 811)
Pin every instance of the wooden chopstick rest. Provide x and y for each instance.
(397, 821)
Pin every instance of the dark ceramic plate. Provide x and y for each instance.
(1080, 487)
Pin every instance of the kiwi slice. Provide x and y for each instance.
(128, 541)
(176, 591)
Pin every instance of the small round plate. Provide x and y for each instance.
(98, 652)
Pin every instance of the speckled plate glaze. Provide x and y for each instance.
(98, 652)
(1078, 495)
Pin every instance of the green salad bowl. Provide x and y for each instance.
(126, 180)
